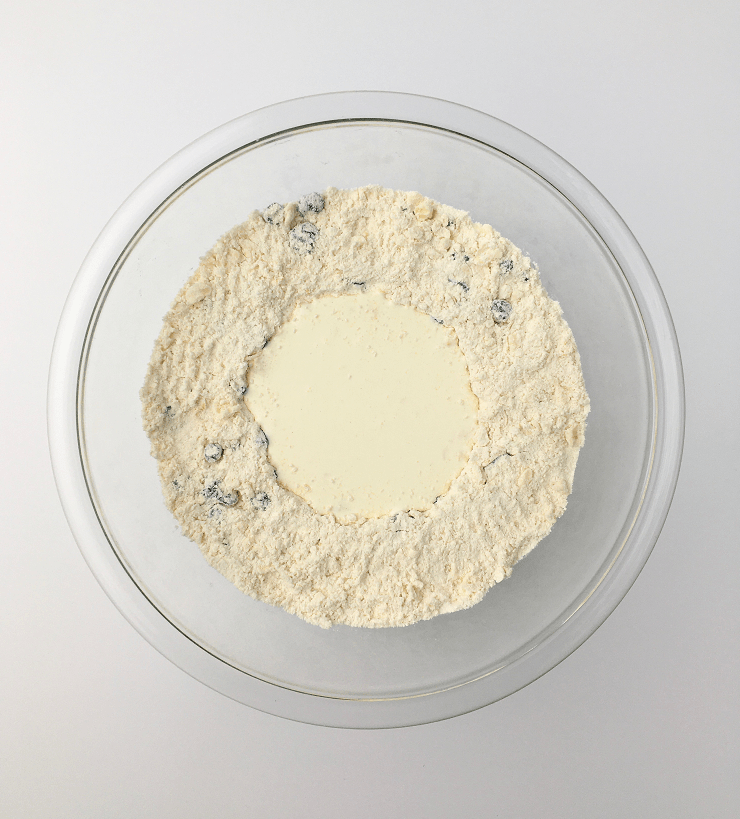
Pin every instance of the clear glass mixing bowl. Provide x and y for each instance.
(557, 596)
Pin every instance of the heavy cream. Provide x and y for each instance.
(366, 405)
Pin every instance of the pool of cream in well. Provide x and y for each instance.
(366, 405)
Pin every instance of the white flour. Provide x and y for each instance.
(524, 370)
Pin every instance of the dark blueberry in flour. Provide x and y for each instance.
(211, 490)
(271, 213)
(303, 237)
(464, 286)
(506, 266)
(501, 310)
(213, 453)
(169, 412)
(311, 202)
(461, 256)
(261, 501)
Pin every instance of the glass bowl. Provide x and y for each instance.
(556, 597)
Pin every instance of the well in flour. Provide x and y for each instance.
(524, 371)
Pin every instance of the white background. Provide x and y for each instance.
(642, 97)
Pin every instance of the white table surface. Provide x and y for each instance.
(642, 97)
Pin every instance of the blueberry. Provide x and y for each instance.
(271, 213)
(169, 412)
(501, 310)
(229, 498)
(464, 286)
(311, 202)
(303, 237)
(261, 501)
(211, 489)
(506, 266)
(213, 453)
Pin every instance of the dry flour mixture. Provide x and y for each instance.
(511, 468)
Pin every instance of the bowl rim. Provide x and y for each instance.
(68, 359)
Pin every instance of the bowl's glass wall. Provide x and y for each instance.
(577, 270)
